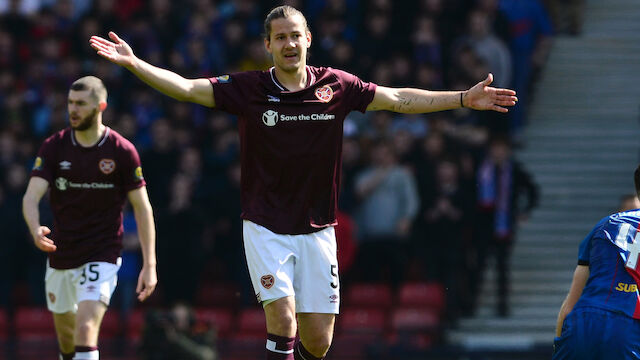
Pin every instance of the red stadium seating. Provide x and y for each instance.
(217, 295)
(416, 327)
(422, 295)
(362, 320)
(135, 324)
(34, 322)
(368, 295)
(252, 320)
(111, 324)
(220, 318)
(4, 325)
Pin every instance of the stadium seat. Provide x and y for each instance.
(252, 320)
(414, 319)
(135, 324)
(220, 318)
(34, 322)
(422, 295)
(362, 320)
(111, 324)
(4, 325)
(217, 295)
(416, 327)
(368, 295)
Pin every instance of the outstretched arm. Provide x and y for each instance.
(147, 236)
(198, 91)
(35, 190)
(580, 277)
(417, 101)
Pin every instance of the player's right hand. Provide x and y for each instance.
(116, 51)
(42, 241)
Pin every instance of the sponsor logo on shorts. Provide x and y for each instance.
(324, 94)
(107, 166)
(267, 281)
(333, 299)
(91, 288)
(52, 297)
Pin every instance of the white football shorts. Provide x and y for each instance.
(304, 266)
(92, 281)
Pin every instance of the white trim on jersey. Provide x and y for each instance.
(310, 80)
(105, 136)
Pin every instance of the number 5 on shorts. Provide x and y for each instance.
(334, 283)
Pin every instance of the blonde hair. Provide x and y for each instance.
(93, 84)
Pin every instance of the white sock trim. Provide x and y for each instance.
(271, 346)
(90, 355)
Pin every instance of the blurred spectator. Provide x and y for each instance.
(445, 215)
(566, 15)
(388, 204)
(629, 202)
(176, 334)
(503, 186)
(530, 44)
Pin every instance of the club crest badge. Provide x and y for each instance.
(267, 281)
(107, 166)
(324, 94)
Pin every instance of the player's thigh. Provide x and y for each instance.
(270, 260)
(316, 328)
(317, 285)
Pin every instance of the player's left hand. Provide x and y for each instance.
(147, 281)
(483, 97)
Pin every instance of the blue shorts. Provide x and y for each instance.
(596, 334)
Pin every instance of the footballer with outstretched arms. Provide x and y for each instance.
(290, 121)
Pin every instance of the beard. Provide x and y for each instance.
(87, 121)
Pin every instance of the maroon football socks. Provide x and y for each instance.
(300, 353)
(279, 347)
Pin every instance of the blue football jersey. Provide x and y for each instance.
(611, 251)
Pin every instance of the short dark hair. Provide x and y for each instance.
(636, 180)
(93, 84)
(280, 12)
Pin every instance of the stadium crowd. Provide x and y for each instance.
(414, 187)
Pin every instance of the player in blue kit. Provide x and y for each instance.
(599, 318)
(290, 122)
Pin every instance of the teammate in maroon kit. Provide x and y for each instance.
(290, 123)
(91, 171)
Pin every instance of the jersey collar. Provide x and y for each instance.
(311, 79)
(105, 135)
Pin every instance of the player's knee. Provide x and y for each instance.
(86, 330)
(318, 345)
(283, 323)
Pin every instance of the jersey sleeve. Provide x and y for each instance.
(43, 166)
(229, 91)
(358, 93)
(132, 177)
(584, 252)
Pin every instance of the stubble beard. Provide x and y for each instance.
(87, 122)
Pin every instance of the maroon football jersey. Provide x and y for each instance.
(88, 189)
(291, 143)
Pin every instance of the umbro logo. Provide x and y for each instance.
(65, 165)
(271, 98)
